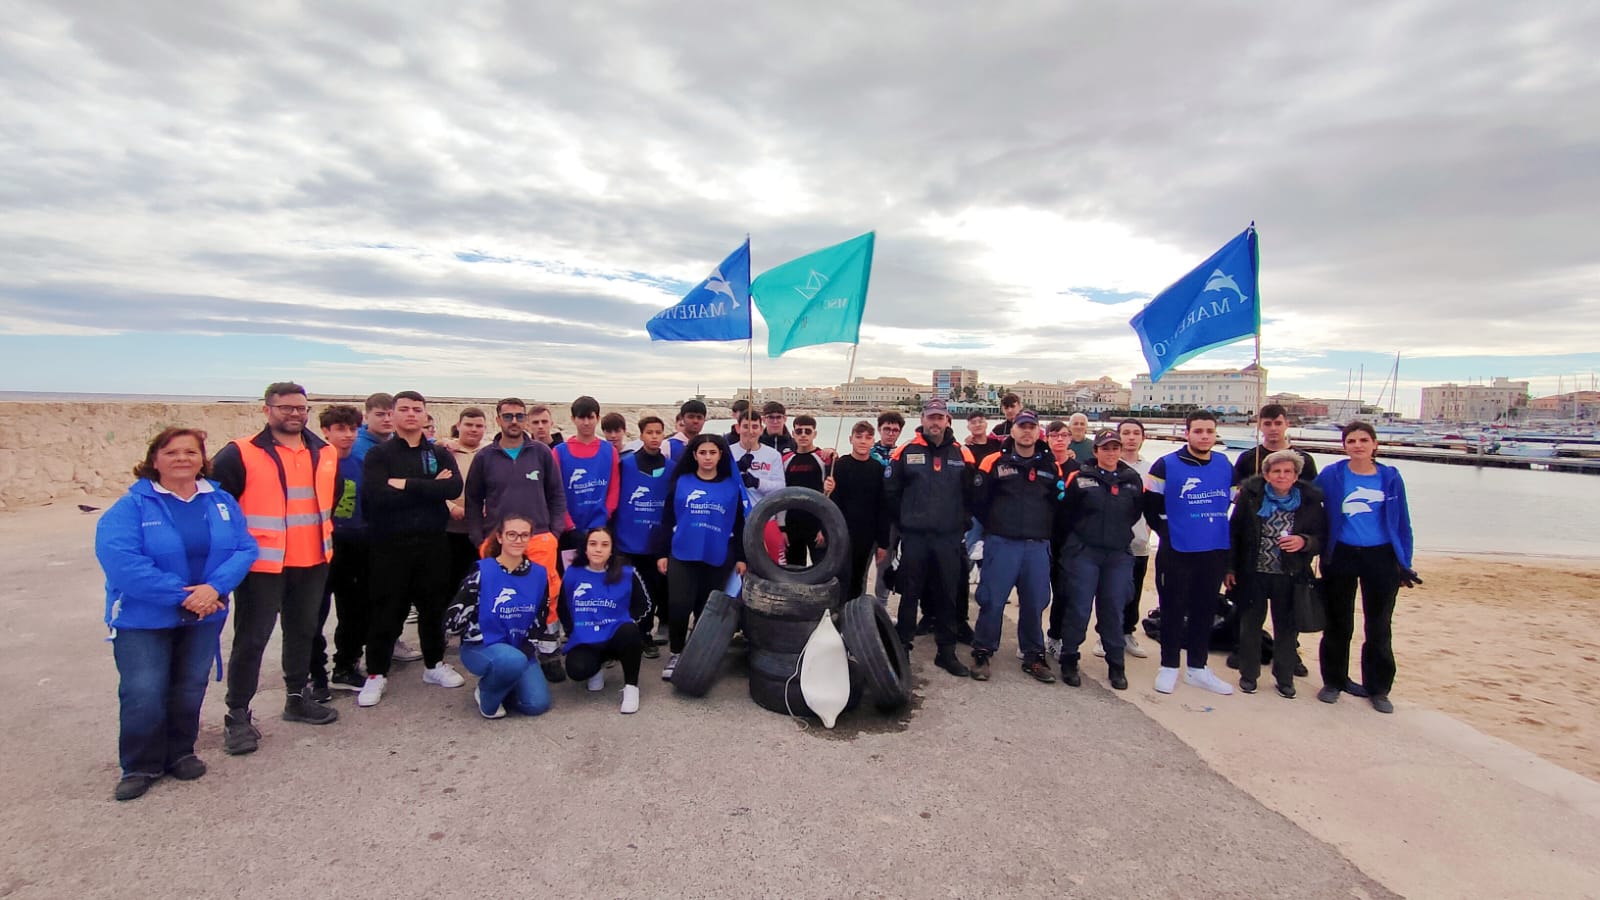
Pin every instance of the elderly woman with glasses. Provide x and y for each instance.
(1278, 526)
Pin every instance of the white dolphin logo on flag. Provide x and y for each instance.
(716, 284)
(1220, 280)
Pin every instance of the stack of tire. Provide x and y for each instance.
(779, 609)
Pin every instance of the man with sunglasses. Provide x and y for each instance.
(514, 473)
(806, 467)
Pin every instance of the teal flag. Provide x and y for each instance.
(817, 298)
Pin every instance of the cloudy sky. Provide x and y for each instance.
(201, 198)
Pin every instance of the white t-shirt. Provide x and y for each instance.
(765, 464)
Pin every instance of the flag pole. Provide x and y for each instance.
(1261, 386)
(750, 342)
(849, 373)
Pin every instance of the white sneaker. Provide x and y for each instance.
(1203, 678)
(444, 675)
(630, 699)
(598, 682)
(1022, 656)
(404, 652)
(411, 617)
(672, 665)
(1052, 648)
(372, 691)
(1130, 646)
(499, 713)
(1166, 680)
(1099, 648)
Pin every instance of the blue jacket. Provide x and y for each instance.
(364, 442)
(1396, 511)
(146, 568)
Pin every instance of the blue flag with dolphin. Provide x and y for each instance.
(1213, 305)
(717, 309)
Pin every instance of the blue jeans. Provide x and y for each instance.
(163, 683)
(1101, 581)
(506, 677)
(1024, 565)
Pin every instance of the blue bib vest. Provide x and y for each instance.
(585, 482)
(508, 605)
(706, 511)
(641, 505)
(598, 608)
(1197, 503)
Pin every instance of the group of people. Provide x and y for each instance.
(557, 557)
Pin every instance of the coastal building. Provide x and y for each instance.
(1220, 390)
(1036, 395)
(1101, 394)
(1299, 407)
(883, 391)
(794, 396)
(953, 382)
(1571, 405)
(1501, 399)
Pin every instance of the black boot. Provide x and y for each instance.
(1118, 678)
(947, 660)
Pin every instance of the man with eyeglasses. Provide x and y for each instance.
(515, 473)
(284, 481)
(774, 433)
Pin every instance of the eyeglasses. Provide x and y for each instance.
(291, 410)
(805, 431)
(513, 417)
(516, 536)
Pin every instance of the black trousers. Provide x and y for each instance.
(296, 592)
(1377, 572)
(688, 586)
(854, 581)
(626, 646)
(407, 570)
(1189, 584)
(931, 569)
(800, 541)
(463, 556)
(1258, 592)
(655, 589)
(1130, 615)
(348, 589)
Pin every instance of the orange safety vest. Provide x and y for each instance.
(272, 507)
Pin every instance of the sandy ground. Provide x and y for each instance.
(1008, 787)
(1511, 647)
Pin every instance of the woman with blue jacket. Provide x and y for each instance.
(498, 612)
(1369, 545)
(173, 549)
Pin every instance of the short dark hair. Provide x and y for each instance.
(379, 400)
(651, 420)
(772, 408)
(613, 421)
(282, 389)
(339, 414)
(805, 420)
(585, 406)
(861, 427)
(147, 469)
(692, 407)
(1134, 422)
(1200, 415)
(747, 415)
(1273, 411)
(1056, 426)
(891, 418)
(411, 395)
(1010, 399)
(977, 414)
(504, 402)
(471, 412)
(740, 406)
(1354, 427)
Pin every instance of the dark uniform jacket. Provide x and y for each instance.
(1016, 495)
(929, 488)
(1100, 508)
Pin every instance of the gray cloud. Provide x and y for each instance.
(1422, 174)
